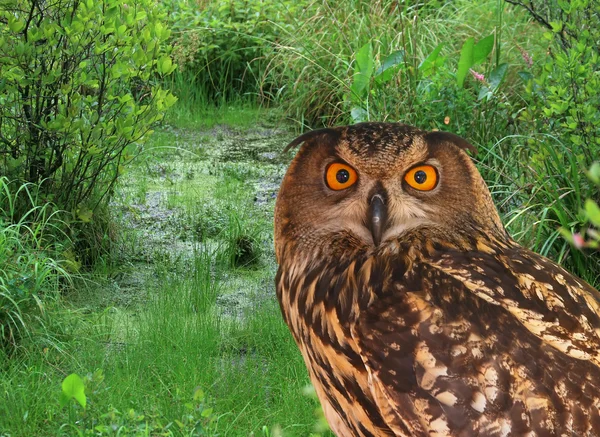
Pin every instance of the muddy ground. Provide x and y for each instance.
(193, 190)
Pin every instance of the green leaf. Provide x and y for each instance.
(482, 49)
(566, 234)
(198, 395)
(359, 115)
(165, 65)
(594, 173)
(170, 100)
(85, 215)
(465, 62)
(364, 59)
(15, 25)
(592, 211)
(525, 76)
(73, 388)
(557, 26)
(363, 69)
(485, 93)
(564, 5)
(429, 63)
(389, 67)
(497, 76)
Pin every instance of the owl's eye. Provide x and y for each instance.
(422, 177)
(340, 176)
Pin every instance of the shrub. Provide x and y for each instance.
(563, 102)
(565, 95)
(223, 46)
(79, 93)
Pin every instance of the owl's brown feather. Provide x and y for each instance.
(446, 328)
(495, 347)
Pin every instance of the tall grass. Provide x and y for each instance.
(153, 359)
(31, 238)
(537, 179)
(315, 64)
(195, 108)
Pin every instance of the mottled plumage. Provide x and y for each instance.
(415, 312)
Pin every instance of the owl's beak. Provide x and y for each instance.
(378, 216)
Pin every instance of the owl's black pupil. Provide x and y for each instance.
(342, 176)
(420, 177)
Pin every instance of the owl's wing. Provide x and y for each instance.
(558, 308)
(484, 344)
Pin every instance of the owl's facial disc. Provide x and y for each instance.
(371, 184)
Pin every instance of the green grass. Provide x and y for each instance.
(195, 110)
(188, 302)
(154, 358)
(31, 238)
(536, 176)
(315, 62)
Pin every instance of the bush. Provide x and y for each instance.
(224, 46)
(79, 93)
(565, 95)
(563, 102)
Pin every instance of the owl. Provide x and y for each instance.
(415, 312)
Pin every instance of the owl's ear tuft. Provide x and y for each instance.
(439, 137)
(326, 135)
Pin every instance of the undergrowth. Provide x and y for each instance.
(33, 266)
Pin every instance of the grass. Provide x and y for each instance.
(30, 238)
(537, 178)
(154, 360)
(539, 186)
(316, 61)
(195, 110)
(188, 304)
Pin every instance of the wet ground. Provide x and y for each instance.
(195, 190)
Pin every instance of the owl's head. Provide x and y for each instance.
(365, 185)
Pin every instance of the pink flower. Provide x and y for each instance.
(578, 240)
(526, 57)
(478, 76)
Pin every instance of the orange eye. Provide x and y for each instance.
(422, 177)
(340, 176)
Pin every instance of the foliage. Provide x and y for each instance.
(588, 237)
(196, 421)
(384, 61)
(224, 46)
(426, 67)
(563, 102)
(78, 94)
(184, 314)
(370, 84)
(174, 314)
(29, 271)
(565, 95)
